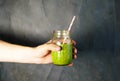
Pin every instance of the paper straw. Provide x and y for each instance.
(69, 28)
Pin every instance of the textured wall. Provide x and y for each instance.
(96, 31)
(34, 21)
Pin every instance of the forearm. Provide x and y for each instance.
(13, 53)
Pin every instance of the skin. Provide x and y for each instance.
(23, 54)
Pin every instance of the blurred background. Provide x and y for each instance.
(96, 31)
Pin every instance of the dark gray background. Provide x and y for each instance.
(96, 31)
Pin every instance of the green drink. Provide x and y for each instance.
(65, 55)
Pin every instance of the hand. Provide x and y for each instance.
(44, 52)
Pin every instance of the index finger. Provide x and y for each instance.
(73, 42)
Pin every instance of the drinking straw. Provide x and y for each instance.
(69, 28)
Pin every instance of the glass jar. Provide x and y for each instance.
(64, 56)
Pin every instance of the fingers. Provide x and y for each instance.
(70, 64)
(74, 50)
(73, 42)
(74, 53)
(47, 59)
(52, 47)
(44, 60)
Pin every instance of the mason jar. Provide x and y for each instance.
(64, 56)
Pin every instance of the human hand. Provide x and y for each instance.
(42, 54)
(46, 48)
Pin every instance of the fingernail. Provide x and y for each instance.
(58, 48)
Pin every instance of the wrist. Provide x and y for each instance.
(25, 55)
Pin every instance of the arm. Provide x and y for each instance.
(23, 54)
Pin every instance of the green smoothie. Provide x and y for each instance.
(63, 57)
